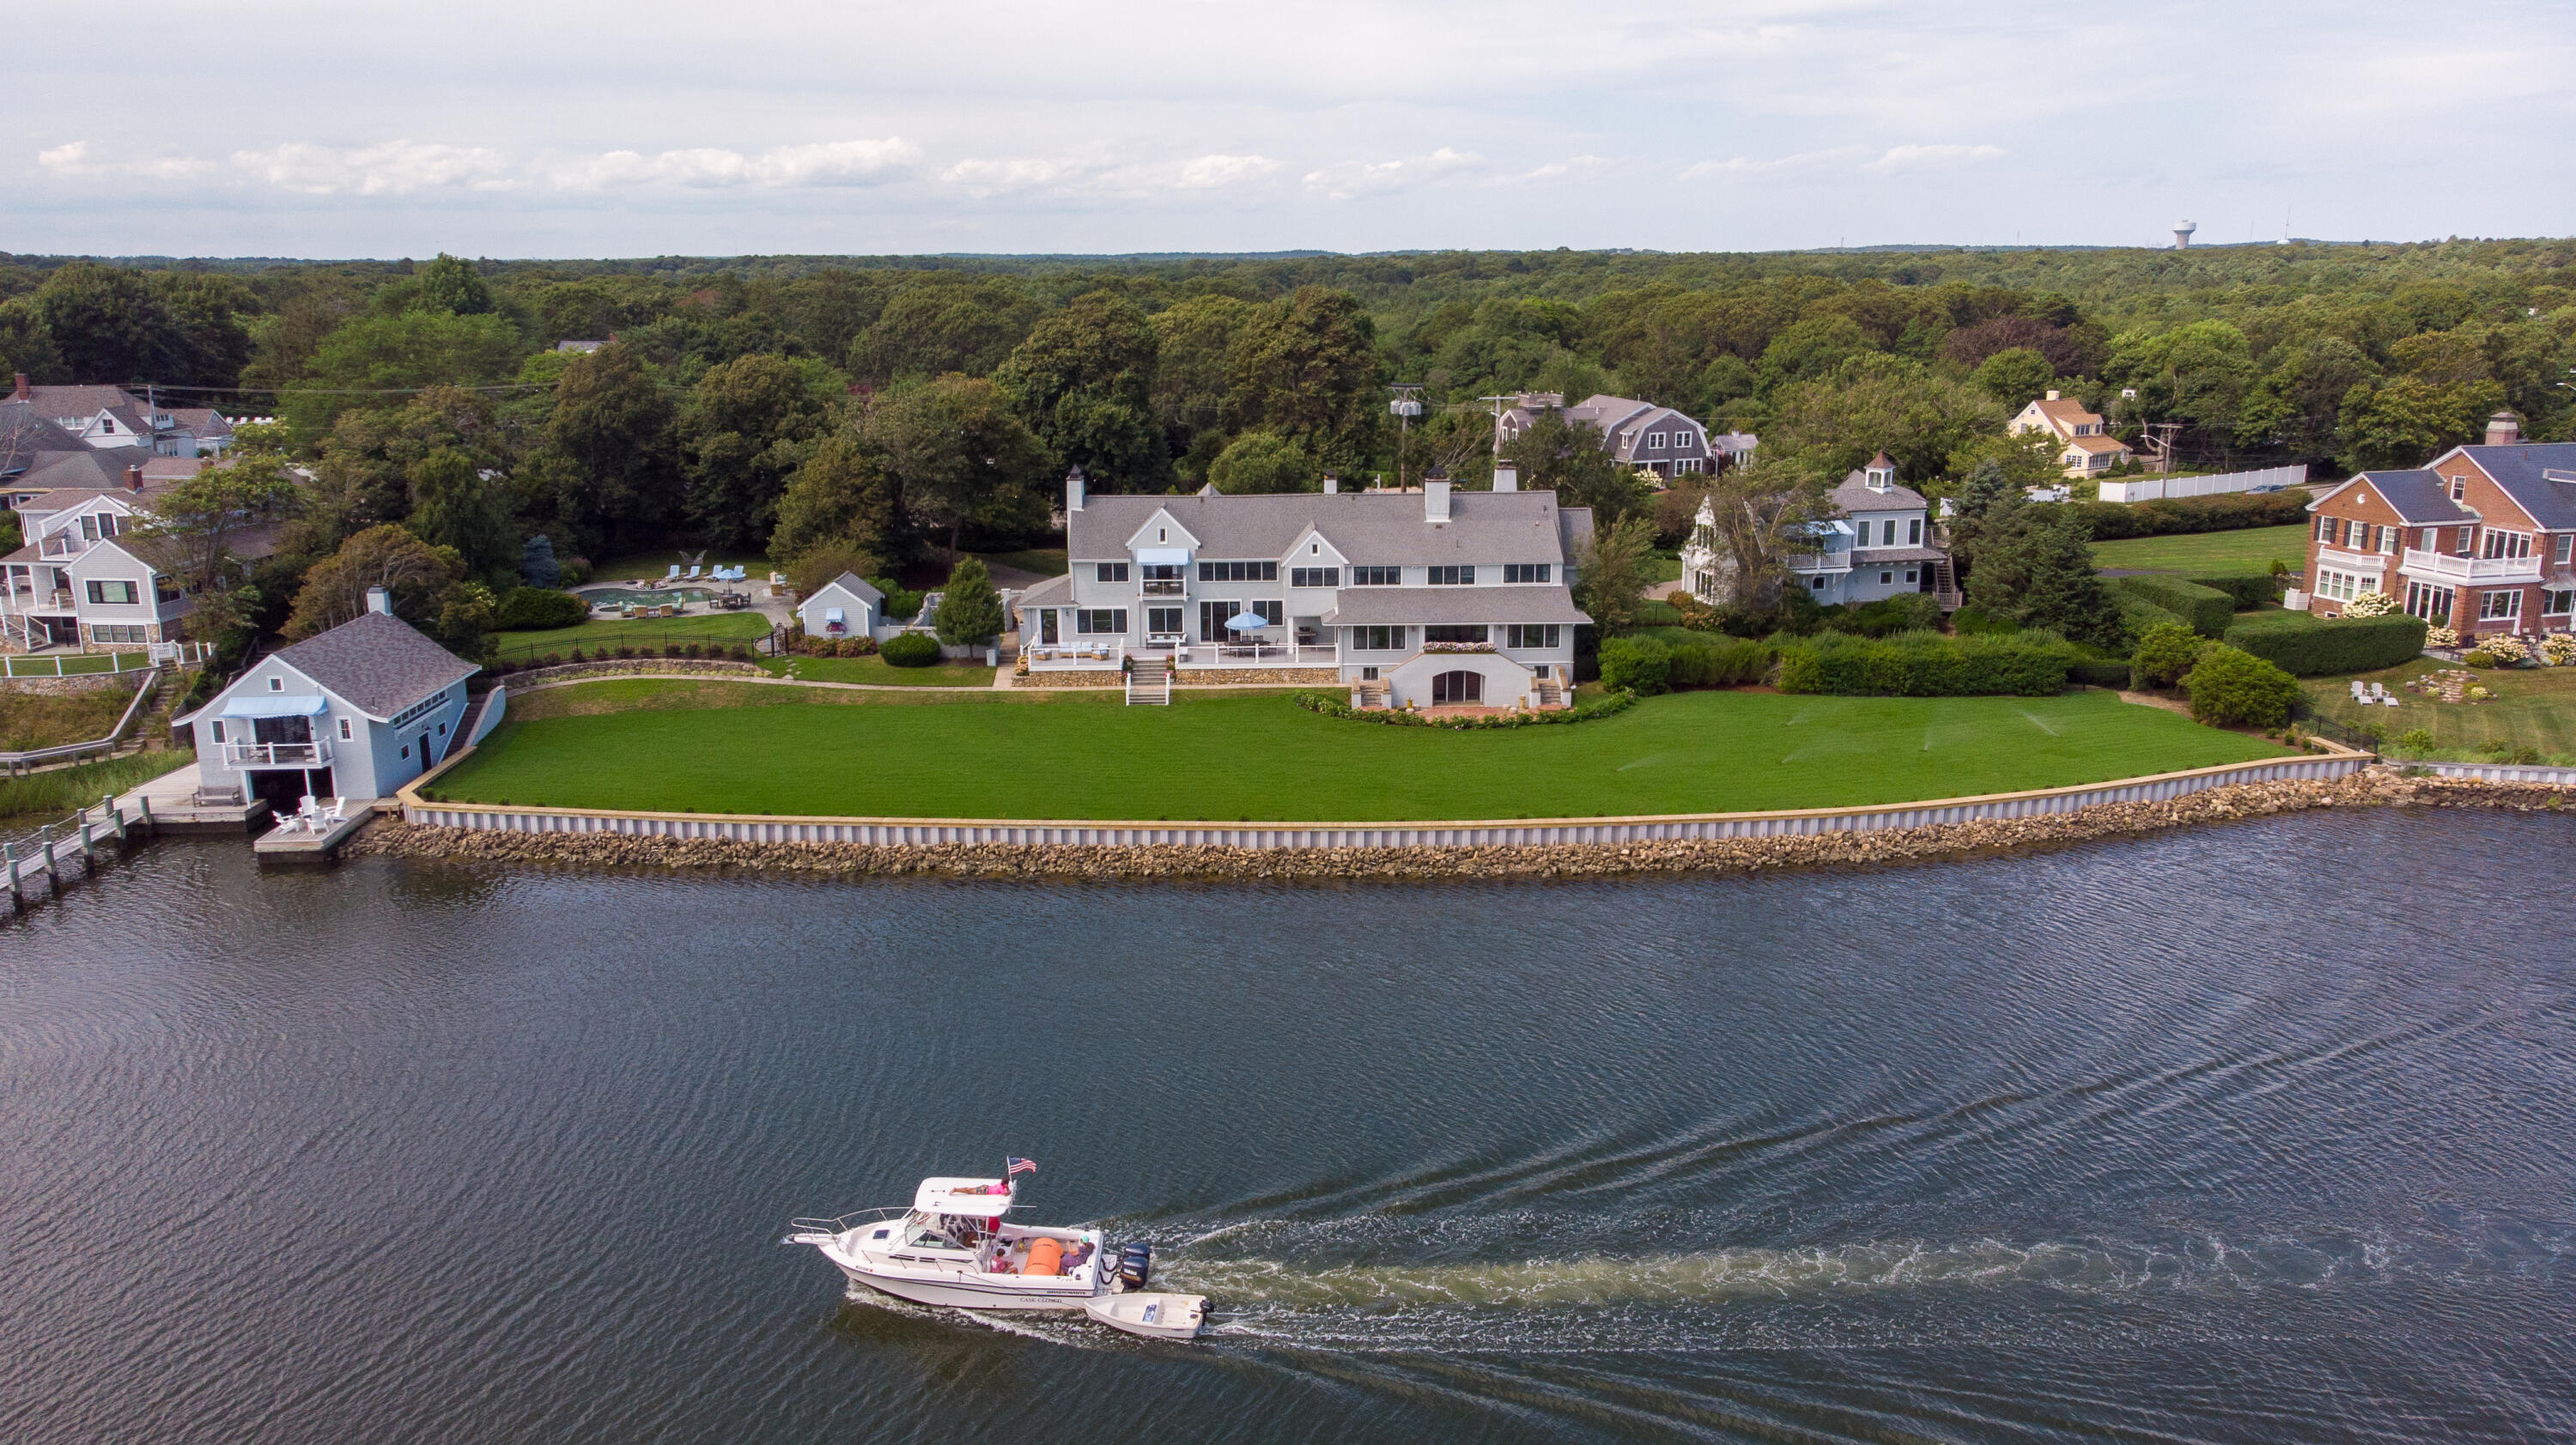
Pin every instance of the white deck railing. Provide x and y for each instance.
(2473, 569)
(278, 755)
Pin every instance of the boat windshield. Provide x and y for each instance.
(935, 1232)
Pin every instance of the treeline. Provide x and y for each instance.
(881, 409)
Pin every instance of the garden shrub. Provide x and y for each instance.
(912, 649)
(1907, 612)
(1719, 662)
(1331, 706)
(1973, 619)
(2207, 609)
(624, 651)
(2141, 616)
(576, 655)
(538, 609)
(1926, 664)
(2165, 653)
(1641, 665)
(900, 605)
(2098, 672)
(2441, 637)
(2416, 740)
(2559, 648)
(2230, 687)
(2310, 646)
(2249, 592)
(2506, 649)
(555, 658)
(2370, 604)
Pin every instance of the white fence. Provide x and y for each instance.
(2501, 772)
(2151, 489)
(1545, 832)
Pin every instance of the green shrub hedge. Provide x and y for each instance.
(2230, 687)
(2226, 512)
(538, 609)
(2098, 674)
(2308, 646)
(2205, 609)
(1926, 664)
(2142, 616)
(1641, 665)
(912, 649)
(2249, 592)
(1719, 662)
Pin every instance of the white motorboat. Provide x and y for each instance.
(1155, 1316)
(954, 1247)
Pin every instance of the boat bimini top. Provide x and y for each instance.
(962, 1198)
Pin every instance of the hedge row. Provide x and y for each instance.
(2226, 512)
(1647, 665)
(1331, 706)
(1926, 664)
(538, 609)
(2249, 592)
(2206, 609)
(2090, 673)
(2308, 646)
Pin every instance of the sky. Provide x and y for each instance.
(570, 128)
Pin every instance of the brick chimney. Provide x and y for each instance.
(2503, 429)
(134, 479)
(21, 394)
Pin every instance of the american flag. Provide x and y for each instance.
(1019, 1166)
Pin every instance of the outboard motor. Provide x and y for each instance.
(1135, 1265)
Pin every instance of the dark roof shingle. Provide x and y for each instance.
(378, 662)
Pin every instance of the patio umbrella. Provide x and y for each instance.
(1247, 622)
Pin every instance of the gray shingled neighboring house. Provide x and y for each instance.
(1640, 434)
(355, 712)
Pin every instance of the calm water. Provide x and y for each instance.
(2250, 1134)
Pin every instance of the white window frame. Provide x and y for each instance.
(2500, 604)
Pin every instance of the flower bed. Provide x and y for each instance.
(1331, 706)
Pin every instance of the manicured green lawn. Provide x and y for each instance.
(643, 632)
(2208, 554)
(672, 747)
(1044, 561)
(2532, 708)
(875, 670)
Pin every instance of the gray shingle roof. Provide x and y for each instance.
(2422, 498)
(377, 662)
(1437, 605)
(1368, 528)
(1053, 592)
(2523, 470)
(24, 429)
(859, 587)
(1854, 495)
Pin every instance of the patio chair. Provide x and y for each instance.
(675, 573)
(335, 814)
(689, 576)
(2359, 693)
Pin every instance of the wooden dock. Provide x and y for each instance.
(79, 847)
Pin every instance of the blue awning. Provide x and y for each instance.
(1163, 556)
(269, 704)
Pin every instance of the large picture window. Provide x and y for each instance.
(1537, 636)
(1455, 632)
(1314, 576)
(2557, 604)
(2500, 605)
(1097, 621)
(107, 591)
(1377, 639)
(2506, 545)
(1163, 621)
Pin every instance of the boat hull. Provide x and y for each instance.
(971, 1292)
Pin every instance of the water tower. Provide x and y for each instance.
(2182, 234)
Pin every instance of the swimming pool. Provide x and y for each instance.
(620, 596)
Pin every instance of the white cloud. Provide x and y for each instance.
(1917, 157)
(1747, 166)
(1209, 173)
(827, 163)
(394, 168)
(1349, 179)
(78, 159)
(1552, 171)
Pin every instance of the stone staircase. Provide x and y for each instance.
(1545, 692)
(1149, 683)
(465, 725)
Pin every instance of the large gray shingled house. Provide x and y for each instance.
(1429, 597)
(355, 712)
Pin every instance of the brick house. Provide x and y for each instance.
(2480, 539)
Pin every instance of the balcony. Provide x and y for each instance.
(277, 755)
(2500, 571)
(1158, 587)
(1812, 562)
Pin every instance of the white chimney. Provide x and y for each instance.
(1073, 491)
(379, 600)
(1332, 484)
(2503, 429)
(2052, 395)
(1435, 499)
(1507, 476)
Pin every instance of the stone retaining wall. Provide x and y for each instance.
(76, 683)
(2379, 786)
(1257, 676)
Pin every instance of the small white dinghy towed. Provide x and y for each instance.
(1155, 1316)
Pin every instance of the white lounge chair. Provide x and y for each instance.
(331, 816)
(2359, 693)
(675, 573)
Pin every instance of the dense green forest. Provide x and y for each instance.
(884, 408)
